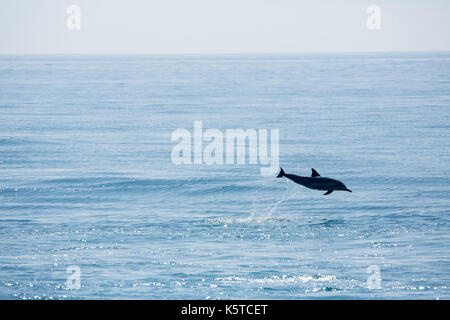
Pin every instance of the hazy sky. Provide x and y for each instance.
(222, 26)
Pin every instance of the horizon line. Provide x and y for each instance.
(227, 53)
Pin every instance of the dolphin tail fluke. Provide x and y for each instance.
(281, 174)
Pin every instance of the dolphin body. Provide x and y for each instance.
(315, 182)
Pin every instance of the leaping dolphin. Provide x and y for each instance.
(315, 182)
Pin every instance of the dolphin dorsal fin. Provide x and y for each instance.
(314, 173)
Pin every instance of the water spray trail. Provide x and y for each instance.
(285, 197)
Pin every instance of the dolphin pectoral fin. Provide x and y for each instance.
(314, 173)
(328, 192)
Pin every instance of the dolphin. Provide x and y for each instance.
(315, 182)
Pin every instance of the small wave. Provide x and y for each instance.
(227, 188)
(112, 182)
(249, 219)
(328, 222)
(16, 220)
(119, 185)
(279, 280)
(14, 141)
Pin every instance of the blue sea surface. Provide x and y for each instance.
(87, 180)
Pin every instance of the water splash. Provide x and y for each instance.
(286, 196)
(264, 215)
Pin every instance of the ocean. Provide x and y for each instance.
(92, 205)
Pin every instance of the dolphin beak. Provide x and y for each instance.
(349, 190)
